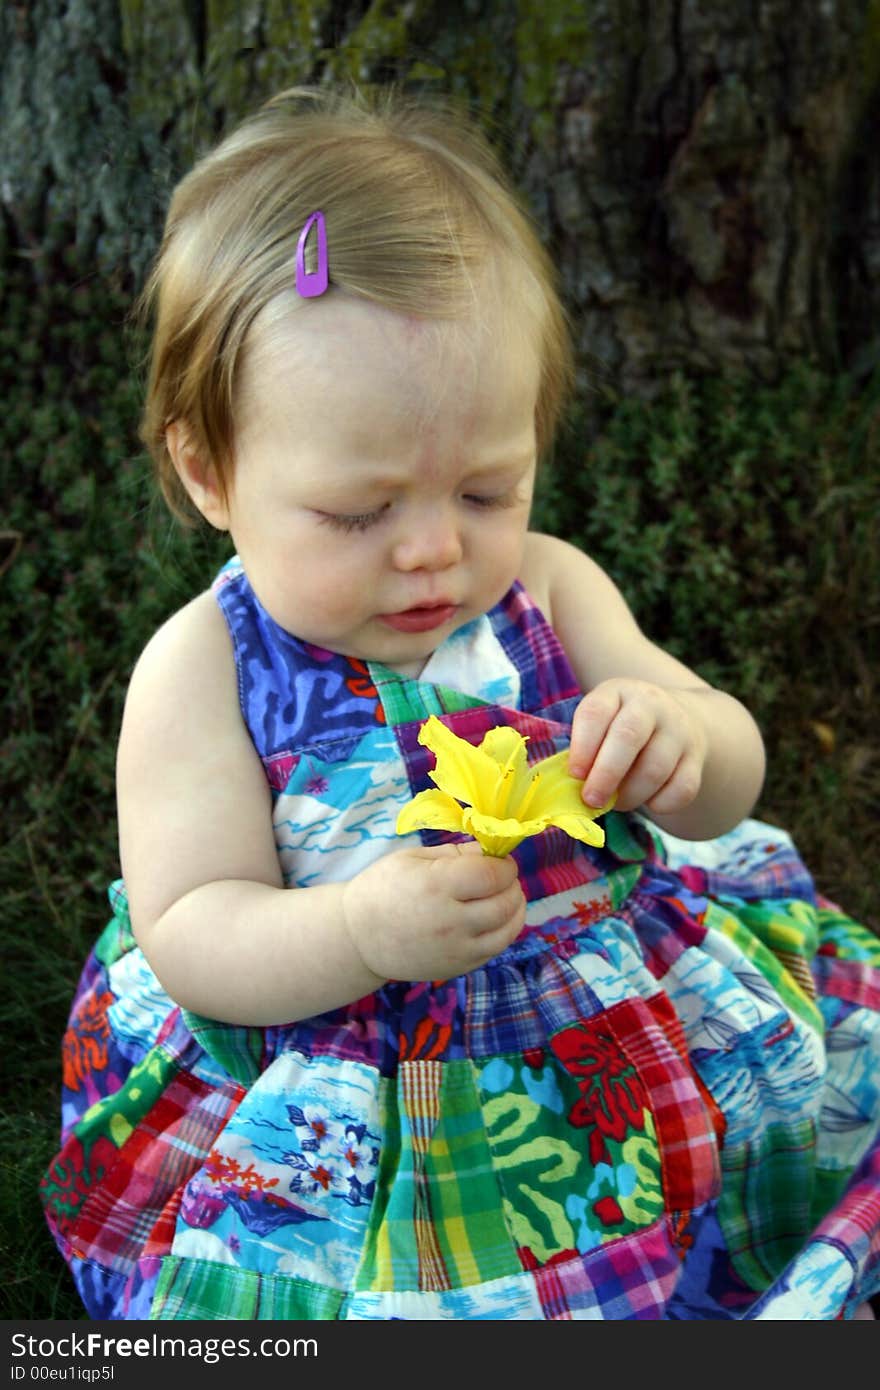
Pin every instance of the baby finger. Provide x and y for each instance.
(652, 771)
(476, 877)
(592, 720)
(488, 915)
(680, 790)
(624, 741)
(497, 938)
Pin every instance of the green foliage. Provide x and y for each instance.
(88, 567)
(742, 522)
(86, 573)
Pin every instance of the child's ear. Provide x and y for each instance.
(198, 475)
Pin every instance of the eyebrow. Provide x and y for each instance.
(505, 464)
(388, 482)
(507, 475)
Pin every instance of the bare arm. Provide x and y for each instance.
(649, 729)
(208, 906)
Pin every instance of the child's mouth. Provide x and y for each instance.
(420, 619)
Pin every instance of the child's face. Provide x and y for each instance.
(383, 475)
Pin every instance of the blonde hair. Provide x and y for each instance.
(416, 207)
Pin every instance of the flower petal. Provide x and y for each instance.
(581, 828)
(508, 748)
(503, 743)
(495, 835)
(431, 810)
(461, 770)
(556, 791)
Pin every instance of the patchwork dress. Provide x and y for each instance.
(660, 1102)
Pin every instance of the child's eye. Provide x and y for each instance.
(360, 521)
(503, 499)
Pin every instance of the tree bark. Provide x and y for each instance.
(700, 187)
(704, 172)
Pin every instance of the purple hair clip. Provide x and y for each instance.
(311, 285)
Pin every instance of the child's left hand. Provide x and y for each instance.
(646, 743)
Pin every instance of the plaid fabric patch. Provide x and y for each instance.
(839, 1266)
(508, 1006)
(239, 1051)
(687, 1122)
(630, 1278)
(854, 1224)
(405, 701)
(779, 873)
(850, 980)
(551, 863)
(420, 1084)
(765, 1207)
(666, 919)
(441, 1224)
(535, 650)
(845, 939)
(798, 1001)
(133, 1209)
(117, 936)
(200, 1289)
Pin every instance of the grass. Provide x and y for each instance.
(741, 522)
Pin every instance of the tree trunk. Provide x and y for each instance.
(700, 187)
(706, 173)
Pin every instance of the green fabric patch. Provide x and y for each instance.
(438, 1222)
(556, 1198)
(117, 938)
(236, 1048)
(850, 940)
(191, 1290)
(622, 839)
(755, 929)
(117, 1115)
(768, 1200)
(619, 883)
(405, 701)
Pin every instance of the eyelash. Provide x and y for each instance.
(505, 499)
(364, 520)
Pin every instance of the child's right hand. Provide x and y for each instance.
(432, 913)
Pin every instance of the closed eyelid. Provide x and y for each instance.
(510, 498)
(485, 488)
(352, 521)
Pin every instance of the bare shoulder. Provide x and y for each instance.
(587, 611)
(182, 708)
(593, 620)
(193, 802)
(186, 670)
(559, 577)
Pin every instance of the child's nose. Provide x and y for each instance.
(431, 541)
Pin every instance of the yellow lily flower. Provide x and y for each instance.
(491, 793)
